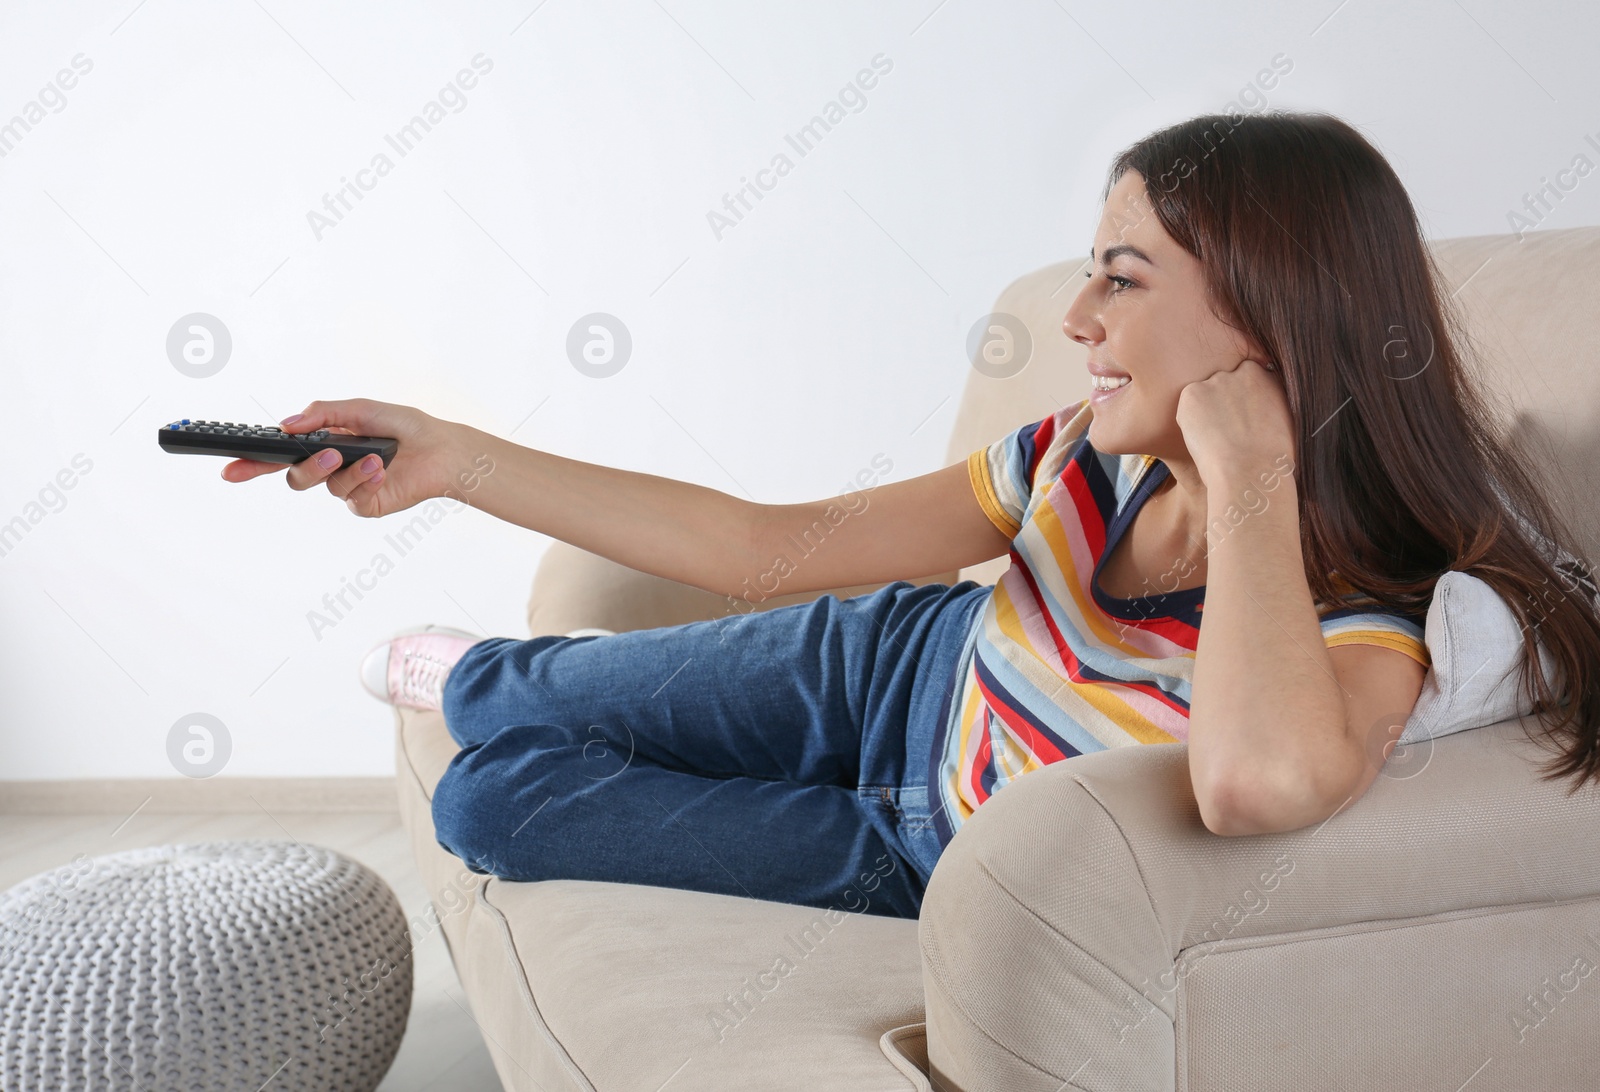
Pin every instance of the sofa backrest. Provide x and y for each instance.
(1531, 306)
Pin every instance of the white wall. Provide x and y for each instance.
(777, 360)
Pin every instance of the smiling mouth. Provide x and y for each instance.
(1108, 383)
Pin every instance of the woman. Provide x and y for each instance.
(1285, 438)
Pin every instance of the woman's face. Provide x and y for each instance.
(1143, 313)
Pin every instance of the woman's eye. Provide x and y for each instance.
(1121, 282)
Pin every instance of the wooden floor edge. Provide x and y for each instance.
(185, 795)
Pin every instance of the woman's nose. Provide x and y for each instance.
(1079, 322)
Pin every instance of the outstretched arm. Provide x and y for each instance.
(685, 532)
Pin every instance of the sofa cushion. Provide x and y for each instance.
(1476, 648)
(628, 986)
(581, 986)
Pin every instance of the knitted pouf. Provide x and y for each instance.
(224, 965)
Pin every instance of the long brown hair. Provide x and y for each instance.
(1403, 471)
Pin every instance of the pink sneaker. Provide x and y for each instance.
(409, 669)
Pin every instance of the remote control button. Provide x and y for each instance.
(185, 421)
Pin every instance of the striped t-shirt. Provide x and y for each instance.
(1053, 666)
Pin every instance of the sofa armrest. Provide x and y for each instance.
(1063, 929)
(576, 589)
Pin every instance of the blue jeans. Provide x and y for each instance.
(779, 755)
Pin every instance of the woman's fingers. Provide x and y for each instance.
(363, 485)
(301, 475)
(327, 466)
(332, 415)
(347, 481)
(242, 470)
(308, 472)
(363, 499)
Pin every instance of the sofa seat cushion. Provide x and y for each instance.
(643, 987)
(580, 985)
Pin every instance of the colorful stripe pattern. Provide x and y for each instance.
(1054, 667)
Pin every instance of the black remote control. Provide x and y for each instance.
(269, 443)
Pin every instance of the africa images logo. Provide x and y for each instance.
(404, 140)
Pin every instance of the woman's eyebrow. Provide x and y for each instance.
(1119, 250)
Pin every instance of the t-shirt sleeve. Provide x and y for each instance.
(1005, 474)
(1357, 620)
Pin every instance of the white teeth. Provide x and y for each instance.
(1110, 382)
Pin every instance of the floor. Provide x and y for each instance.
(442, 1049)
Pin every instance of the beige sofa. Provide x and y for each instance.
(1084, 930)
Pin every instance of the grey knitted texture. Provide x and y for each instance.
(215, 966)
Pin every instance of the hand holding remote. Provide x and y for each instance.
(419, 470)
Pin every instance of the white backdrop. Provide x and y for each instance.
(182, 158)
